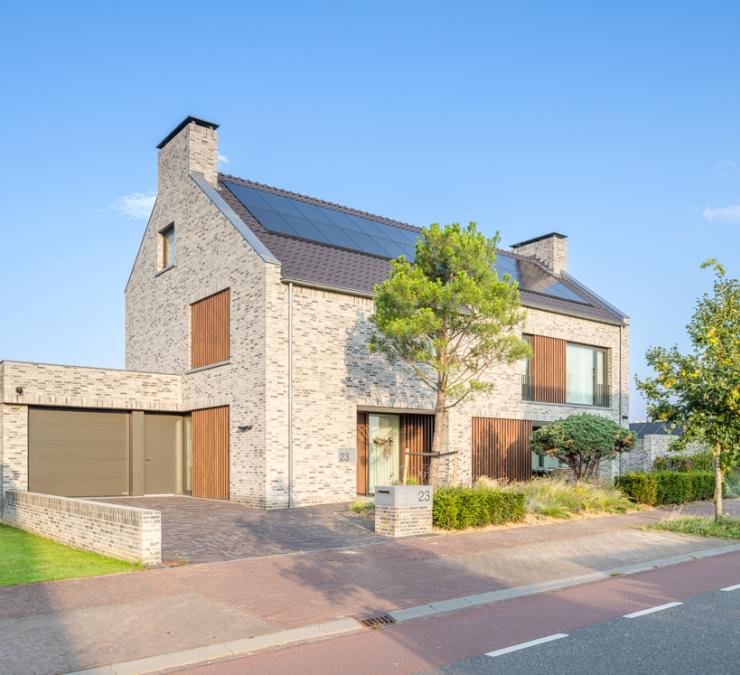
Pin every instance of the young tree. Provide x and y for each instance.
(700, 391)
(450, 317)
(581, 442)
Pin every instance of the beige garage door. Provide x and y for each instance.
(78, 453)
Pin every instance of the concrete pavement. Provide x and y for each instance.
(78, 624)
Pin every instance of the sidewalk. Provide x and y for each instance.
(79, 624)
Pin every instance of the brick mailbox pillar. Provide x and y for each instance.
(403, 510)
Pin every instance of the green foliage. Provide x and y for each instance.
(706, 527)
(362, 507)
(701, 391)
(642, 487)
(559, 498)
(732, 485)
(668, 487)
(457, 508)
(701, 461)
(449, 316)
(582, 442)
(28, 559)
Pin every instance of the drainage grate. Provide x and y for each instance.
(377, 622)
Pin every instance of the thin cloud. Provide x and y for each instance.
(223, 158)
(722, 214)
(137, 205)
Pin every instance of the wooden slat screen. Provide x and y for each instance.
(361, 453)
(416, 436)
(501, 448)
(211, 453)
(210, 330)
(547, 368)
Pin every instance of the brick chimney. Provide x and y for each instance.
(191, 146)
(549, 249)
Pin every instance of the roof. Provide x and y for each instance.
(324, 265)
(643, 429)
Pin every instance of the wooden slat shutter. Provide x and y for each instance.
(547, 368)
(501, 448)
(211, 453)
(210, 329)
(416, 436)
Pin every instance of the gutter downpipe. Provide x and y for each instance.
(290, 395)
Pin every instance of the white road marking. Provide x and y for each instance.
(659, 608)
(524, 645)
(736, 587)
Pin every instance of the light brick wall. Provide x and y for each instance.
(210, 255)
(650, 447)
(333, 375)
(403, 521)
(14, 444)
(123, 532)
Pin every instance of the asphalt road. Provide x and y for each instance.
(701, 635)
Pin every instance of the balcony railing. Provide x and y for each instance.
(600, 397)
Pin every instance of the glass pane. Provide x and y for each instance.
(188, 455)
(384, 450)
(579, 374)
(600, 367)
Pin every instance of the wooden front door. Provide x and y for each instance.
(501, 448)
(211, 453)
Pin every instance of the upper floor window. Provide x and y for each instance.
(585, 375)
(210, 337)
(166, 253)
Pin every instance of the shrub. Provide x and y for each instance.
(732, 485)
(701, 461)
(642, 487)
(668, 487)
(459, 507)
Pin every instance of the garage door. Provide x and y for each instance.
(78, 453)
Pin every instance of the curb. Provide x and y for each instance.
(246, 646)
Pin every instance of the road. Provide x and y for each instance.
(699, 635)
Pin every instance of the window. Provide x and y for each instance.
(166, 253)
(585, 375)
(210, 330)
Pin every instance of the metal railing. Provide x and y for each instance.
(601, 394)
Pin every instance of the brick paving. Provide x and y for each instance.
(204, 530)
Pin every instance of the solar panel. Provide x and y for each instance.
(297, 218)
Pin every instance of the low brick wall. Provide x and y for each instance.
(123, 532)
(403, 510)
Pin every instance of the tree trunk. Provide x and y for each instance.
(440, 419)
(718, 507)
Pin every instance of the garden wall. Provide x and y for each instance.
(123, 532)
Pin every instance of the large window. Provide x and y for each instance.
(585, 375)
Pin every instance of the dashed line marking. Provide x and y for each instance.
(659, 608)
(736, 587)
(524, 645)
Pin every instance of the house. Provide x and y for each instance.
(654, 439)
(248, 375)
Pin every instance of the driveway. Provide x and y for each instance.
(204, 530)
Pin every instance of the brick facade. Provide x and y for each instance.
(117, 531)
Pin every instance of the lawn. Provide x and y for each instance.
(26, 559)
(705, 526)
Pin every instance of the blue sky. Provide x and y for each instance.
(617, 125)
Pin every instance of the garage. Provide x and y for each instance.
(104, 453)
(76, 453)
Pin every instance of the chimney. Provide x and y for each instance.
(549, 249)
(191, 146)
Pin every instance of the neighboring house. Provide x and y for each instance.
(254, 303)
(654, 440)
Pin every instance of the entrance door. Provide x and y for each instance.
(162, 447)
(384, 450)
(211, 453)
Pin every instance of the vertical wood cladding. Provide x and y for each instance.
(416, 436)
(210, 330)
(501, 448)
(211, 453)
(547, 369)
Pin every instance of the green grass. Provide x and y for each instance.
(362, 506)
(559, 498)
(704, 526)
(27, 559)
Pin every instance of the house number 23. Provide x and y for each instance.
(424, 496)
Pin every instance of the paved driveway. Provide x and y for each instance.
(203, 530)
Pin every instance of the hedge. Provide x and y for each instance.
(456, 508)
(701, 461)
(668, 487)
